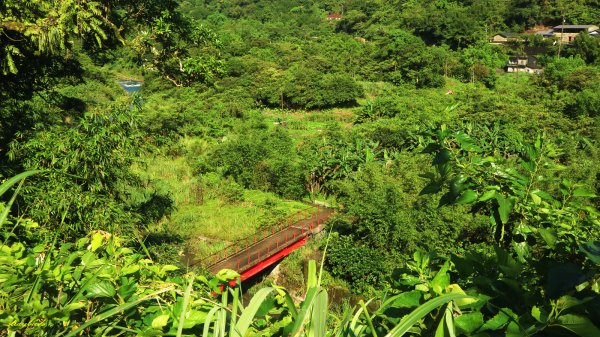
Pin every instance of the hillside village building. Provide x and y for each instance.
(523, 64)
(563, 33)
(527, 61)
(568, 33)
(504, 37)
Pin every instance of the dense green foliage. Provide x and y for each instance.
(93, 168)
(450, 176)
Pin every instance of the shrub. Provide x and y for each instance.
(88, 171)
(362, 266)
(230, 191)
(261, 159)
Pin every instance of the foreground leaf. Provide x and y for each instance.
(592, 250)
(579, 325)
(119, 309)
(411, 319)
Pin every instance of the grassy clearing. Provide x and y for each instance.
(203, 215)
(302, 124)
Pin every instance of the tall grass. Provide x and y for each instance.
(208, 220)
(311, 317)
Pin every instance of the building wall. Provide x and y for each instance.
(522, 70)
(498, 39)
(570, 34)
(565, 37)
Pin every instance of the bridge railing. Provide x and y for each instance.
(263, 233)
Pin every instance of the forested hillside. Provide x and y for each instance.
(457, 142)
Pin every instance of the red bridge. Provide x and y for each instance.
(254, 253)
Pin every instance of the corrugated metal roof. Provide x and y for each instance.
(546, 32)
(574, 26)
(507, 34)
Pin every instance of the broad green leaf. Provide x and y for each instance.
(236, 305)
(487, 195)
(74, 306)
(409, 280)
(407, 299)
(160, 321)
(88, 258)
(130, 269)
(441, 279)
(522, 250)
(168, 267)
(431, 188)
(561, 278)
(442, 157)
(579, 325)
(431, 148)
(498, 321)
(193, 318)
(567, 302)
(592, 250)
(466, 142)
(422, 287)
(97, 239)
(458, 184)
(469, 323)
(114, 311)
(456, 289)
(224, 274)
(549, 235)
(504, 207)
(536, 313)
(582, 192)
(539, 315)
(407, 322)
(567, 183)
(509, 266)
(513, 330)
(467, 197)
(287, 298)
(128, 287)
(536, 198)
(543, 195)
(100, 289)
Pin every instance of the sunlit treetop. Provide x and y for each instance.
(39, 27)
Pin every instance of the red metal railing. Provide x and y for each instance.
(267, 241)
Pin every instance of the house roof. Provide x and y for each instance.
(546, 32)
(507, 34)
(574, 26)
(334, 16)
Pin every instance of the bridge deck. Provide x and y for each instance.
(249, 256)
